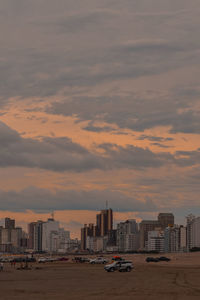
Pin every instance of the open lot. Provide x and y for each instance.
(177, 279)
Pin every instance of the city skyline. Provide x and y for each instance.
(99, 102)
(116, 219)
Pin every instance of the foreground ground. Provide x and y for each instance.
(178, 279)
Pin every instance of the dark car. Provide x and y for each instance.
(163, 258)
(152, 259)
(63, 259)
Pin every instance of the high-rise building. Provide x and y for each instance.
(47, 228)
(127, 236)
(172, 238)
(183, 239)
(106, 221)
(193, 231)
(31, 235)
(190, 219)
(86, 231)
(145, 227)
(166, 220)
(16, 236)
(9, 223)
(38, 236)
(104, 226)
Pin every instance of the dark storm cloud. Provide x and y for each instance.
(136, 112)
(134, 157)
(61, 154)
(43, 200)
(57, 154)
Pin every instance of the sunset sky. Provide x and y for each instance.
(99, 101)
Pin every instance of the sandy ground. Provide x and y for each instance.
(178, 279)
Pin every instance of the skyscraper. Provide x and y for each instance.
(145, 227)
(106, 221)
(104, 225)
(31, 231)
(9, 223)
(165, 220)
(38, 236)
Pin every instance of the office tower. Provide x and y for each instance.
(106, 217)
(127, 236)
(38, 236)
(5, 236)
(98, 224)
(190, 219)
(16, 236)
(193, 231)
(104, 225)
(183, 239)
(31, 233)
(145, 227)
(112, 237)
(165, 220)
(9, 223)
(47, 228)
(86, 231)
(172, 238)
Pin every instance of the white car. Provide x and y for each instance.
(98, 260)
(42, 260)
(45, 259)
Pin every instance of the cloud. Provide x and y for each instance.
(154, 138)
(57, 154)
(135, 111)
(61, 154)
(41, 200)
(63, 45)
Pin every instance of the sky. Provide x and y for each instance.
(99, 101)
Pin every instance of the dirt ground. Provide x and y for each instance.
(178, 279)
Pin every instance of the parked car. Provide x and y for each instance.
(163, 258)
(42, 260)
(45, 259)
(152, 259)
(98, 260)
(80, 259)
(63, 259)
(121, 266)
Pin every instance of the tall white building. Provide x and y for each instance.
(47, 228)
(128, 236)
(190, 219)
(183, 239)
(193, 232)
(172, 239)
